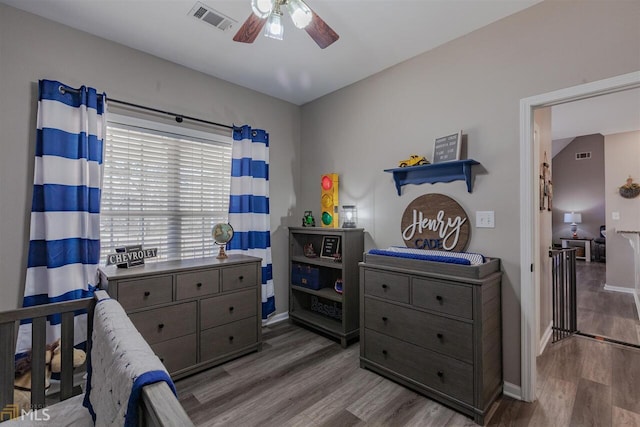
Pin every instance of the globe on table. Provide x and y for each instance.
(222, 233)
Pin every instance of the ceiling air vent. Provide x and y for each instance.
(206, 14)
(583, 156)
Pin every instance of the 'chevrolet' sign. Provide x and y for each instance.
(131, 256)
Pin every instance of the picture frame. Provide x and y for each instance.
(330, 247)
(447, 148)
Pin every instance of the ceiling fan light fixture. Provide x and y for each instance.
(262, 8)
(300, 13)
(274, 28)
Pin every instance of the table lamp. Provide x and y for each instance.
(574, 219)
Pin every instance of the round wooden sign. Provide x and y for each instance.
(435, 221)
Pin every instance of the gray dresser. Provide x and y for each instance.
(193, 313)
(435, 328)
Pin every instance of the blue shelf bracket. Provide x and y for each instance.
(458, 170)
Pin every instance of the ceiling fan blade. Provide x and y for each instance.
(320, 32)
(250, 29)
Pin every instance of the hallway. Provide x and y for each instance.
(604, 313)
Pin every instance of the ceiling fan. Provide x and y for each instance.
(270, 12)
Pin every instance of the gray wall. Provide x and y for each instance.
(622, 158)
(542, 137)
(578, 186)
(474, 83)
(32, 48)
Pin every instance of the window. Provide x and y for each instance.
(164, 187)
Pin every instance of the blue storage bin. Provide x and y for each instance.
(305, 276)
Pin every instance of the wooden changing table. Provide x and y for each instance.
(435, 328)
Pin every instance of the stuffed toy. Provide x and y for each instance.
(22, 382)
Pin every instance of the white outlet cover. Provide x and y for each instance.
(485, 219)
(615, 215)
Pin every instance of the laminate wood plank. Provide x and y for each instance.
(592, 406)
(350, 389)
(597, 366)
(563, 363)
(342, 418)
(431, 414)
(624, 329)
(512, 413)
(304, 386)
(624, 418)
(233, 388)
(377, 397)
(397, 410)
(555, 403)
(625, 381)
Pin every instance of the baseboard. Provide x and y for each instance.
(276, 318)
(618, 289)
(512, 390)
(545, 338)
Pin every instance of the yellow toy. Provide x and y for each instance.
(413, 160)
(22, 382)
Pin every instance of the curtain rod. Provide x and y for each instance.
(178, 117)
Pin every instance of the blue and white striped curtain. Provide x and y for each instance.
(64, 242)
(249, 204)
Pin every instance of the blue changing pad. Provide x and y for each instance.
(461, 258)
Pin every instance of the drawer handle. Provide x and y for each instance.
(147, 293)
(241, 278)
(439, 298)
(384, 286)
(231, 308)
(199, 284)
(439, 335)
(440, 374)
(384, 352)
(384, 319)
(161, 325)
(162, 359)
(231, 338)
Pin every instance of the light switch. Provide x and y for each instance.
(615, 215)
(485, 219)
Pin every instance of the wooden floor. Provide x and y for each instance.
(605, 313)
(303, 379)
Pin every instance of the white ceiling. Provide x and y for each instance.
(605, 114)
(374, 35)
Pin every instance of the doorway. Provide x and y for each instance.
(529, 223)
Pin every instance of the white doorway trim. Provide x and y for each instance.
(529, 223)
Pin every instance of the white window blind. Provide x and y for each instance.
(164, 187)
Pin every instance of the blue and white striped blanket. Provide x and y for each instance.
(463, 258)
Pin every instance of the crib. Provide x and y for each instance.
(157, 404)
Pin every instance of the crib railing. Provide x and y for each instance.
(9, 321)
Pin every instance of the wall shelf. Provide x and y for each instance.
(458, 170)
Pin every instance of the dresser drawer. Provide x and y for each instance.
(447, 336)
(197, 283)
(161, 324)
(177, 353)
(217, 311)
(387, 285)
(443, 297)
(216, 342)
(141, 293)
(239, 277)
(436, 371)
